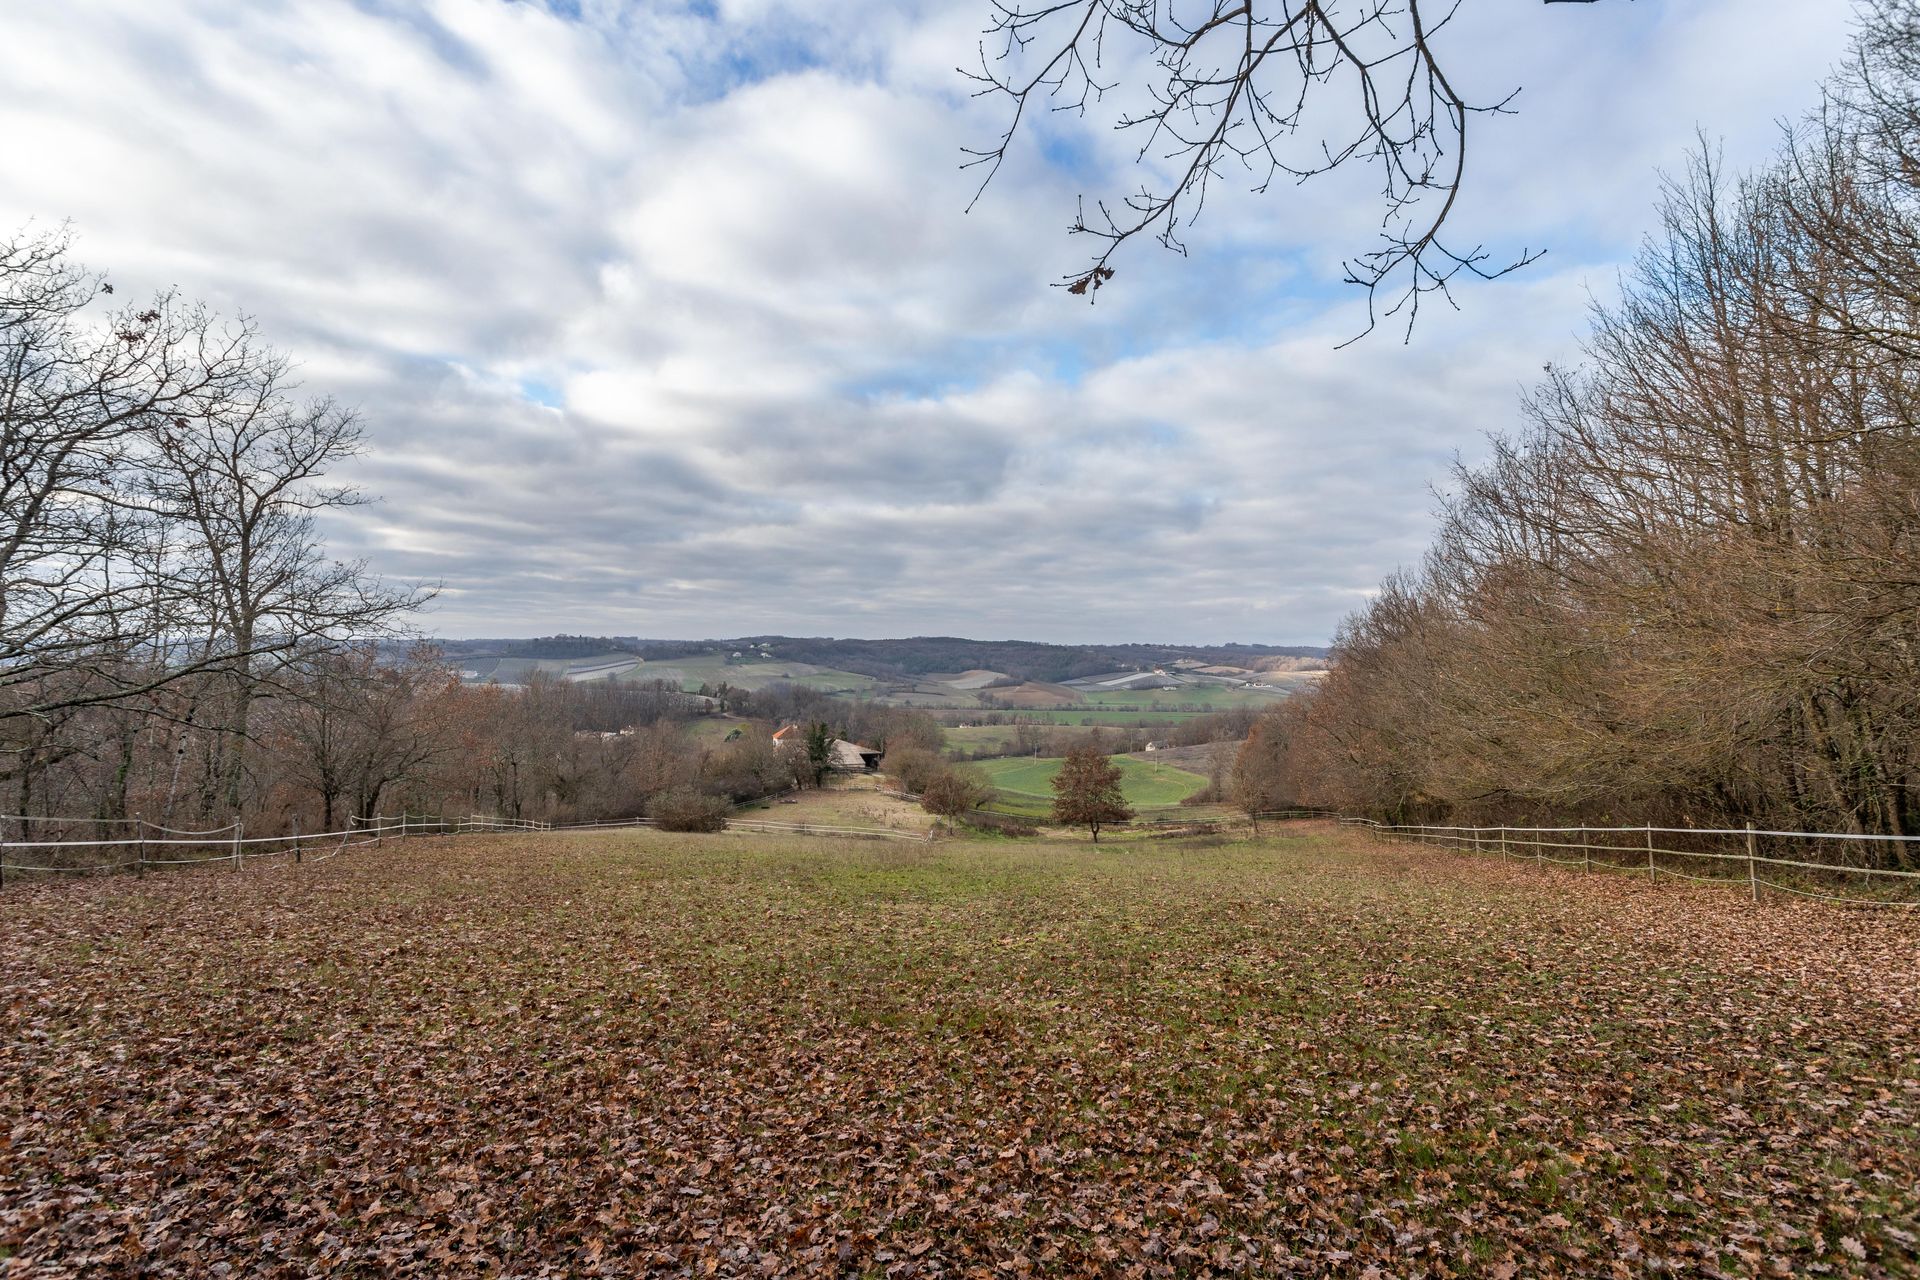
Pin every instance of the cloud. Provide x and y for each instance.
(672, 320)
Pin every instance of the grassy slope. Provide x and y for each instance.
(849, 802)
(626, 1053)
(1144, 784)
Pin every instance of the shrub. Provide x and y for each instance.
(684, 809)
(912, 767)
(952, 792)
(1003, 823)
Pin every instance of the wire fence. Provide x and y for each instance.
(139, 845)
(1827, 865)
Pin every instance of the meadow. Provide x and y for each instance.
(693, 671)
(1005, 739)
(1144, 783)
(632, 1053)
(1209, 697)
(1137, 718)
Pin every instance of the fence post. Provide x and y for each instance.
(1586, 853)
(1650, 874)
(238, 827)
(140, 854)
(1539, 848)
(296, 838)
(1753, 881)
(1503, 844)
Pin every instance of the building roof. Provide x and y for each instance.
(850, 755)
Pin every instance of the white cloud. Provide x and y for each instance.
(799, 388)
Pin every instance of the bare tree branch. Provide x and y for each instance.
(1237, 92)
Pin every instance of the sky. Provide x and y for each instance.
(671, 319)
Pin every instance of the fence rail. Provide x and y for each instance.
(1759, 859)
(1730, 856)
(167, 847)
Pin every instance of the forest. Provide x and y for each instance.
(1687, 589)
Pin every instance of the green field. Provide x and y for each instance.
(1213, 697)
(1146, 718)
(978, 737)
(1144, 784)
(714, 731)
(999, 738)
(635, 1054)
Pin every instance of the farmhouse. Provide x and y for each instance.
(845, 757)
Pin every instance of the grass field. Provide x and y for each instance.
(1213, 697)
(1108, 716)
(637, 1054)
(844, 802)
(714, 668)
(1143, 783)
(1000, 737)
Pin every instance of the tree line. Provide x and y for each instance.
(177, 645)
(1687, 590)
(161, 571)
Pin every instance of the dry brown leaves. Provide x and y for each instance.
(644, 1054)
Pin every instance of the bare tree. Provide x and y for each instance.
(1689, 589)
(353, 727)
(1259, 782)
(1236, 90)
(245, 481)
(953, 792)
(90, 599)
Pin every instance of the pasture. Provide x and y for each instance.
(1209, 697)
(1102, 716)
(1002, 738)
(1144, 783)
(751, 673)
(631, 1053)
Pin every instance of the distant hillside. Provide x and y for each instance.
(1023, 660)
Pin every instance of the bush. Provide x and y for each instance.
(912, 767)
(684, 809)
(1003, 823)
(952, 792)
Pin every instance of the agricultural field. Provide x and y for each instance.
(607, 666)
(999, 738)
(1145, 718)
(978, 737)
(628, 1053)
(1145, 784)
(1212, 697)
(958, 692)
(751, 673)
(717, 731)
